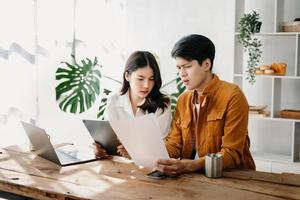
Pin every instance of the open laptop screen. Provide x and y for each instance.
(43, 147)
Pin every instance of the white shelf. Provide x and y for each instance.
(271, 157)
(268, 76)
(274, 34)
(275, 141)
(273, 118)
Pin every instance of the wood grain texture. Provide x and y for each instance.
(26, 174)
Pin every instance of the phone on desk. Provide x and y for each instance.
(156, 175)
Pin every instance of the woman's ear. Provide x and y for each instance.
(127, 76)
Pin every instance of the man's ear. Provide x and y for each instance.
(127, 76)
(206, 64)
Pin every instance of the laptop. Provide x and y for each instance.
(103, 134)
(43, 147)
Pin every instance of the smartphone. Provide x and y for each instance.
(156, 175)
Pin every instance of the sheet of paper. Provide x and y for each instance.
(142, 139)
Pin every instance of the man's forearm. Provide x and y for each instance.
(193, 165)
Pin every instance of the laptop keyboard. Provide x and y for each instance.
(65, 158)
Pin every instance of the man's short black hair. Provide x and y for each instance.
(194, 47)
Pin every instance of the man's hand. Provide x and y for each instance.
(123, 152)
(99, 151)
(173, 167)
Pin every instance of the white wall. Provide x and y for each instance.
(157, 25)
(124, 26)
(111, 30)
(17, 69)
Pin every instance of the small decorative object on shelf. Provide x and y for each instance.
(290, 114)
(249, 25)
(259, 111)
(278, 69)
(291, 26)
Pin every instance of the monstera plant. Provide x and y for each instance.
(79, 85)
(180, 89)
(103, 103)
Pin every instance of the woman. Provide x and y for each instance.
(140, 94)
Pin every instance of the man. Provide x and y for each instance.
(211, 117)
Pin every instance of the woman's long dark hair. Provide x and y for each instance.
(155, 99)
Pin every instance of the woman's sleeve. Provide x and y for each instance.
(164, 120)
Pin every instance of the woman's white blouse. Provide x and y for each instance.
(119, 107)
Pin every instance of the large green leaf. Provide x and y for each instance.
(79, 85)
(103, 104)
(180, 89)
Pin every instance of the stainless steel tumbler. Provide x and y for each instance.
(213, 165)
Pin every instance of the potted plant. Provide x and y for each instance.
(248, 26)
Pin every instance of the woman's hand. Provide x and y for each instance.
(99, 151)
(122, 151)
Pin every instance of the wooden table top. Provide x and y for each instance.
(24, 173)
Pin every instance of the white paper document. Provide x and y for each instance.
(142, 139)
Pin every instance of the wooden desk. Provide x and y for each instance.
(26, 174)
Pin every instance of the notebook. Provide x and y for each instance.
(103, 134)
(44, 148)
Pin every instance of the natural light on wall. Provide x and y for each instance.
(36, 36)
(99, 31)
(102, 36)
(18, 69)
